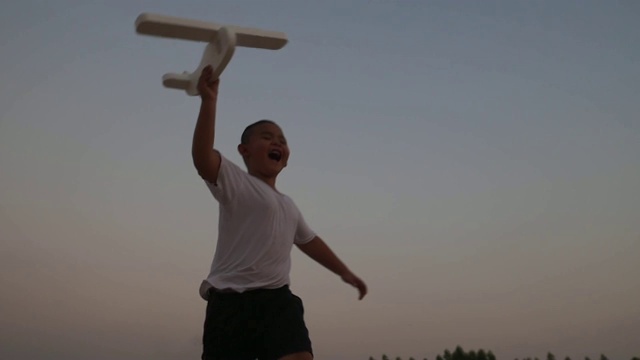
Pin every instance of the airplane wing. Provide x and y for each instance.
(195, 30)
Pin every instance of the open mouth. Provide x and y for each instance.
(275, 155)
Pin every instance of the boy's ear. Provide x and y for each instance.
(242, 149)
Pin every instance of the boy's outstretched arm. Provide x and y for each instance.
(205, 159)
(319, 251)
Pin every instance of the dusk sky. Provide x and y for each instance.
(477, 163)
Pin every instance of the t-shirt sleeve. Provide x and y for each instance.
(231, 179)
(304, 234)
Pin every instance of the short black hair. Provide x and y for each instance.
(246, 134)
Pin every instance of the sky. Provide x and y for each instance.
(476, 163)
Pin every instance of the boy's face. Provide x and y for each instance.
(266, 153)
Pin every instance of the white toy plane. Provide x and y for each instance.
(221, 43)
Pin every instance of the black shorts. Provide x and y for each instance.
(264, 324)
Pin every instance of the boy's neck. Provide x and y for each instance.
(271, 181)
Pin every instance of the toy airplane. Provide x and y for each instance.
(221, 43)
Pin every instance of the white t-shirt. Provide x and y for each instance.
(257, 229)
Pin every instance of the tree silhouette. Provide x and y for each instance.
(458, 354)
(447, 355)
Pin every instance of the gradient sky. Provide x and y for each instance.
(477, 163)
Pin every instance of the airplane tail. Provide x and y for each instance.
(180, 82)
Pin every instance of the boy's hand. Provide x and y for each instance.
(351, 278)
(207, 86)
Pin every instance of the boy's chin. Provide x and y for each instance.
(277, 167)
(272, 169)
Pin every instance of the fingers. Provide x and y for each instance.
(361, 286)
(356, 282)
(207, 76)
(207, 84)
(207, 71)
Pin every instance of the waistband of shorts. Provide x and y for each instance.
(231, 292)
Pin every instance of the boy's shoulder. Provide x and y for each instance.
(234, 183)
(225, 161)
(231, 179)
(228, 165)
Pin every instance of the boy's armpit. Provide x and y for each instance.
(304, 241)
(304, 233)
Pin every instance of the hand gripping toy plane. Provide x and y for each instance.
(221, 43)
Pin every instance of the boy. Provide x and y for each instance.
(251, 312)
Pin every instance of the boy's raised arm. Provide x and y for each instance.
(205, 159)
